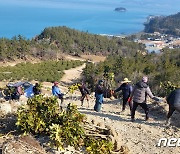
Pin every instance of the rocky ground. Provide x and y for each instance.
(141, 137)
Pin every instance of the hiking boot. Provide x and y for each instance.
(122, 111)
(132, 120)
(167, 122)
(147, 118)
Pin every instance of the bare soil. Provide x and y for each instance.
(141, 136)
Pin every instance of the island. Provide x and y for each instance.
(120, 9)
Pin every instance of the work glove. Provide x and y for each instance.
(129, 100)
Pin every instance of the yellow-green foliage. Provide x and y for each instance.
(98, 146)
(42, 115)
(73, 87)
(70, 132)
(39, 113)
(168, 87)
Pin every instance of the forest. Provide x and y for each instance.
(125, 58)
(59, 40)
(167, 25)
(161, 69)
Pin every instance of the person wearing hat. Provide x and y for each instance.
(139, 96)
(99, 90)
(56, 91)
(126, 92)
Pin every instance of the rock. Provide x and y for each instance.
(117, 144)
(23, 100)
(111, 131)
(112, 139)
(100, 124)
(5, 108)
(124, 149)
(22, 145)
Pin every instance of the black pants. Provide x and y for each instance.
(171, 110)
(143, 105)
(83, 97)
(124, 104)
(60, 96)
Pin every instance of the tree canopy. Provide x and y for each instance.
(168, 25)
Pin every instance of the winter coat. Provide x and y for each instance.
(99, 89)
(174, 98)
(56, 91)
(140, 92)
(99, 94)
(36, 90)
(99, 97)
(126, 90)
(83, 89)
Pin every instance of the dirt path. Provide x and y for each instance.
(140, 136)
(72, 75)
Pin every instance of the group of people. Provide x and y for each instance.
(83, 89)
(134, 96)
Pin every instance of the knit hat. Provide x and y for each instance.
(145, 79)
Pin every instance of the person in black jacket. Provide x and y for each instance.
(84, 92)
(126, 91)
(174, 103)
(36, 89)
(99, 90)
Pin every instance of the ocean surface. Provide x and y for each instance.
(29, 17)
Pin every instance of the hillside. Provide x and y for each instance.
(159, 69)
(140, 136)
(168, 25)
(53, 42)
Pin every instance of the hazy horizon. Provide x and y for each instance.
(29, 18)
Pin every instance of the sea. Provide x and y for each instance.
(29, 17)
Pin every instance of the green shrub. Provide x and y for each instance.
(42, 115)
(38, 115)
(45, 71)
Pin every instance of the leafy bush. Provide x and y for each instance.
(38, 115)
(70, 132)
(168, 87)
(98, 146)
(42, 115)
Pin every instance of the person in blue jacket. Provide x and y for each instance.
(99, 90)
(56, 91)
(126, 92)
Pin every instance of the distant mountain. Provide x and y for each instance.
(168, 25)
